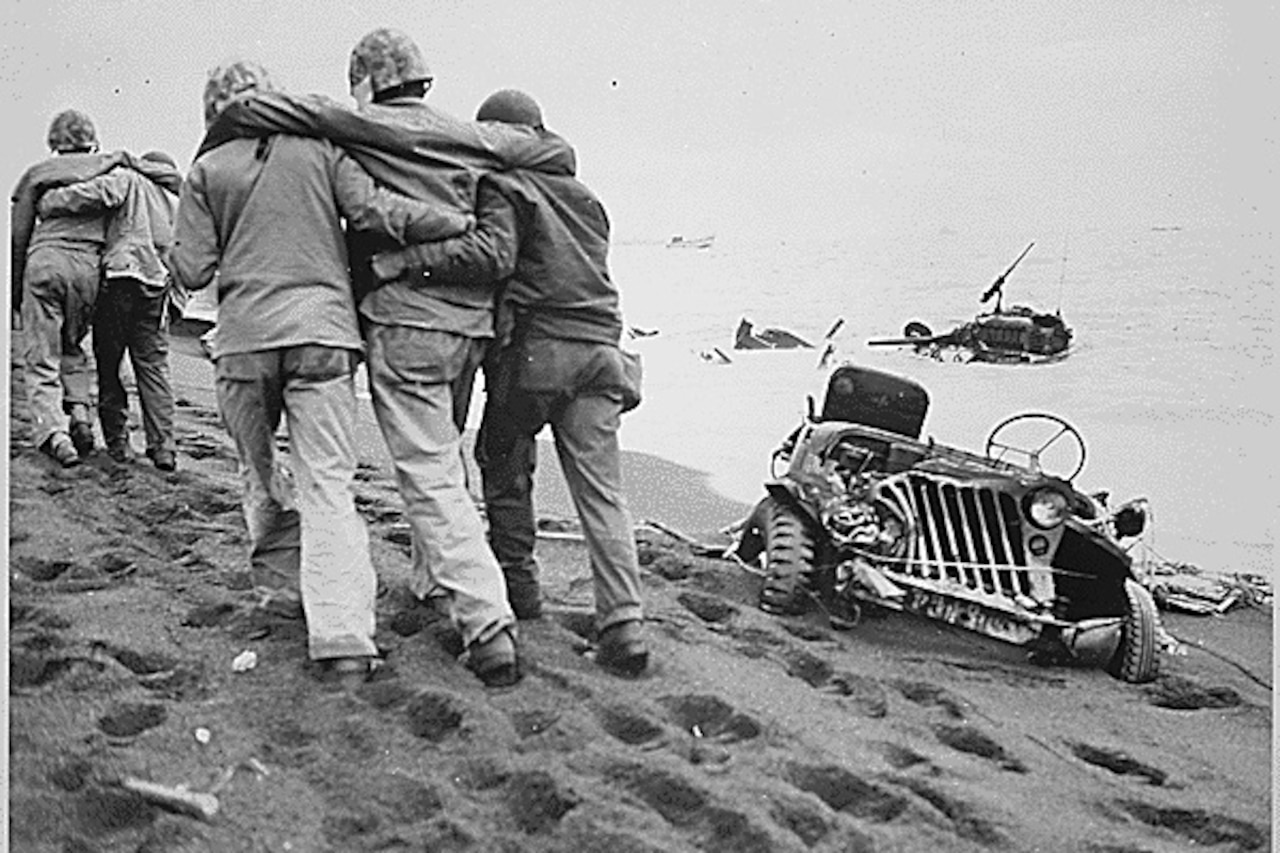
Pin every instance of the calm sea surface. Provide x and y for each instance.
(1170, 382)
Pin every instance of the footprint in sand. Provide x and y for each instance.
(845, 792)
(127, 720)
(708, 608)
(710, 717)
(690, 809)
(35, 669)
(629, 726)
(866, 694)
(810, 669)
(964, 818)
(1119, 763)
(537, 801)
(139, 663)
(970, 740)
(433, 716)
(1184, 694)
(1200, 827)
(41, 570)
(902, 757)
(930, 695)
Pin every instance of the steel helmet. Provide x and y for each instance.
(72, 130)
(511, 106)
(388, 58)
(231, 80)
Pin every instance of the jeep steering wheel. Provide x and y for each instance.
(1051, 425)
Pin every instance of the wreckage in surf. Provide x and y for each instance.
(1016, 335)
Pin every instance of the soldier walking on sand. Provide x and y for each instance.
(54, 275)
(546, 237)
(130, 315)
(425, 342)
(424, 349)
(266, 214)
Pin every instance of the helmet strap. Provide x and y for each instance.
(412, 89)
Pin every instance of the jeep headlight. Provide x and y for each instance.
(1046, 508)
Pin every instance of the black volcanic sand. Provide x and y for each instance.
(129, 600)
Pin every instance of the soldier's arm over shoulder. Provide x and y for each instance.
(369, 207)
(483, 256)
(96, 195)
(193, 260)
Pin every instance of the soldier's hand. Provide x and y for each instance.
(386, 266)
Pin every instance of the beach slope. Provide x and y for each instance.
(132, 730)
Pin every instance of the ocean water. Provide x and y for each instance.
(1170, 381)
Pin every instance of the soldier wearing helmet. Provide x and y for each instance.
(71, 131)
(266, 215)
(546, 236)
(54, 273)
(425, 340)
(425, 346)
(139, 200)
(386, 64)
(230, 81)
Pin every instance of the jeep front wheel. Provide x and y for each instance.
(1137, 660)
(789, 551)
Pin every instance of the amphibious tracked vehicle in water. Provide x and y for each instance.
(1016, 335)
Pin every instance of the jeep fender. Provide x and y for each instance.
(750, 544)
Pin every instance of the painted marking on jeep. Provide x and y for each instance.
(970, 615)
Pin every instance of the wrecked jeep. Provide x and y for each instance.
(867, 512)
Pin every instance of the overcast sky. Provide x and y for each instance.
(807, 117)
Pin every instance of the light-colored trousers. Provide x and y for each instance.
(307, 528)
(414, 377)
(60, 288)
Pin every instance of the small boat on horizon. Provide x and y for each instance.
(681, 242)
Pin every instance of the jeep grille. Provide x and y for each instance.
(966, 535)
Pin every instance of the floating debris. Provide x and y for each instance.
(1188, 588)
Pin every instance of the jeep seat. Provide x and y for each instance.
(860, 395)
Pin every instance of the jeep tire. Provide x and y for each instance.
(1137, 660)
(789, 553)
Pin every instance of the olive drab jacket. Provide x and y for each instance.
(141, 199)
(27, 233)
(412, 148)
(545, 234)
(266, 215)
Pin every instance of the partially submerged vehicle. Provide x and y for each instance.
(1016, 335)
(866, 512)
(746, 336)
